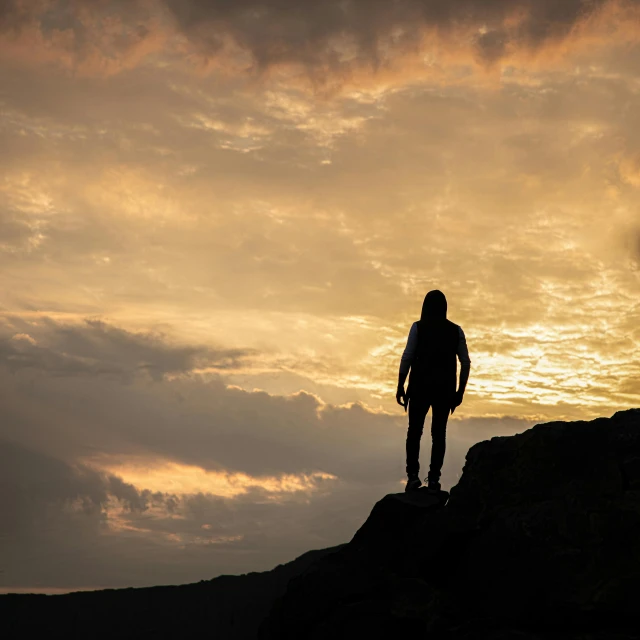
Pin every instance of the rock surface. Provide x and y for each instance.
(540, 539)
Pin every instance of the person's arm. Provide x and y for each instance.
(465, 367)
(464, 378)
(405, 363)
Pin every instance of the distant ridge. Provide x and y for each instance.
(226, 607)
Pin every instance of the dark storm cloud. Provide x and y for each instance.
(304, 32)
(99, 348)
(54, 521)
(13, 15)
(29, 481)
(32, 481)
(325, 38)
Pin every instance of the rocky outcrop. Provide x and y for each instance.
(540, 539)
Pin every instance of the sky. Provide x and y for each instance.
(218, 221)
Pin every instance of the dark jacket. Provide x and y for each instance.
(434, 367)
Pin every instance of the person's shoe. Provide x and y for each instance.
(413, 483)
(433, 486)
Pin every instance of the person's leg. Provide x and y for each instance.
(439, 417)
(418, 408)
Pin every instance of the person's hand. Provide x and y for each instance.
(401, 397)
(457, 401)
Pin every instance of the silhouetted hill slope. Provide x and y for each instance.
(540, 539)
(225, 608)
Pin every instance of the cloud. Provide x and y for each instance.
(331, 36)
(89, 37)
(81, 528)
(31, 481)
(635, 245)
(471, 192)
(13, 15)
(86, 526)
(15, 233)
(330, 43)
(195, 420)
(98, 348)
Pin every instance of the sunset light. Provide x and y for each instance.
(218, 223)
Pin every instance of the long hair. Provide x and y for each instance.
(434, 309)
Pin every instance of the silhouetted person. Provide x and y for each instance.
(432, 347)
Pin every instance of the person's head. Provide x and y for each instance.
(434, 307)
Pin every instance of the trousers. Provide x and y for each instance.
(418, 408)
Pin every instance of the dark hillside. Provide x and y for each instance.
(226, 607)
